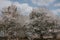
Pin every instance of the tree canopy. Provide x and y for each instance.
(41, 22)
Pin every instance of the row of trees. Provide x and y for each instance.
(40, 22)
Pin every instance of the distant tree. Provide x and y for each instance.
(41, 22)
(12, 22)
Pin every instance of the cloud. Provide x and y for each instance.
(4, 3)
(56, 11)
(24, 8)
(42, 2)
(57, 5)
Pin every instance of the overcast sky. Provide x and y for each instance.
(26, 6)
